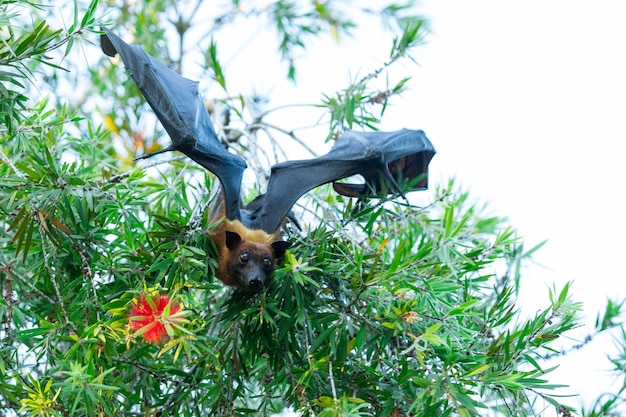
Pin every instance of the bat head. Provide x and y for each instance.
(250, 264)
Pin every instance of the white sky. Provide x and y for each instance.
(526, 104)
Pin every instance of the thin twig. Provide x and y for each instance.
(35, 289)
(260, 116)
(290, 133)
(332, 382)
(88, 275)
(55, 284)
(198, 213)
(34, 128)
(7, 161)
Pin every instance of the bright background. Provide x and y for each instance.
(526, 103)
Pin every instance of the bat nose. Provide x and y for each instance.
(255, 285)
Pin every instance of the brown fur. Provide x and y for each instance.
(255, 246)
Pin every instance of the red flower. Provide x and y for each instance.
(154, 317)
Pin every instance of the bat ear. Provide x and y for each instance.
(232, 240)
(279, 247)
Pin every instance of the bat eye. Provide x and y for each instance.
(244, 258)
(267, 263)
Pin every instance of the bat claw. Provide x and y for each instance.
(150, 155)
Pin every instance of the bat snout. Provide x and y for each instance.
(255, 285)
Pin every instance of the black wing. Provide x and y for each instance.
(381, 158)
(178, 105)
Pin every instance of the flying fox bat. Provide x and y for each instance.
(248, 237)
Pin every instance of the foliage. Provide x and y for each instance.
(611, 404)
(380, 308)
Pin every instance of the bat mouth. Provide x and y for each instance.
(255, 285)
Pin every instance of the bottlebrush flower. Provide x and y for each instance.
(154, 317)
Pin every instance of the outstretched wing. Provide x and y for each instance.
(381, 158)
(178, 105)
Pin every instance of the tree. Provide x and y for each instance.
(109, 306)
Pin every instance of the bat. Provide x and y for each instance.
(248, 237)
